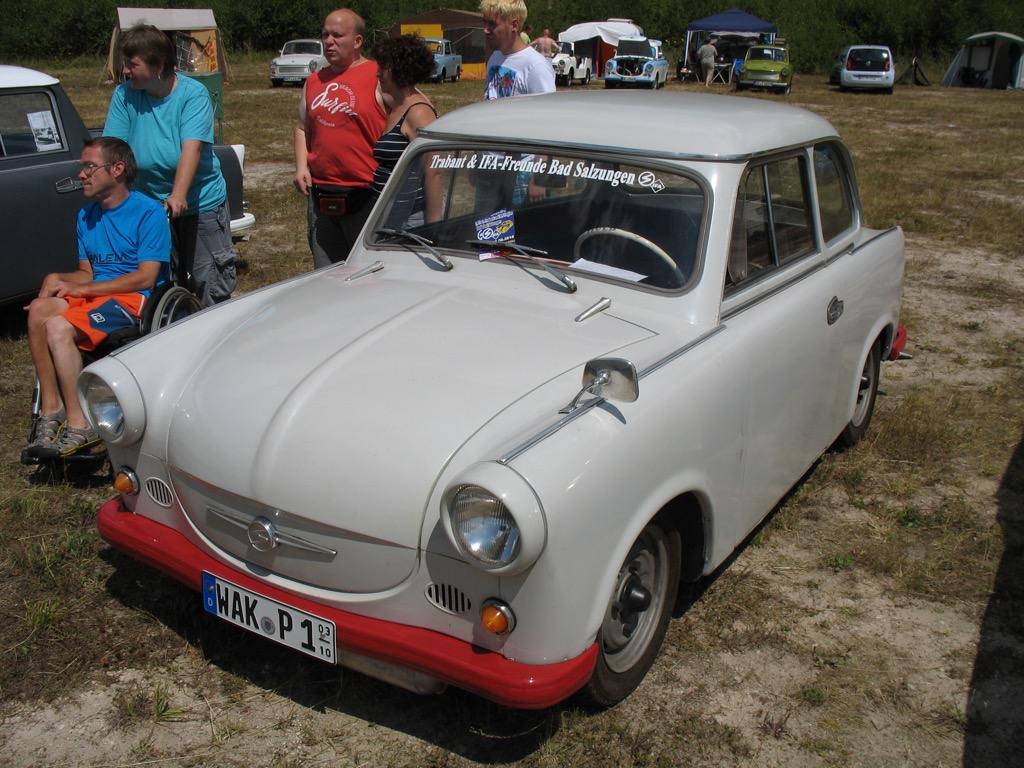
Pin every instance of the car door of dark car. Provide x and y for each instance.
(37, 222)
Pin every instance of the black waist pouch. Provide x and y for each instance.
(332, 200)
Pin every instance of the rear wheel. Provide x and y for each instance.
(457, 75)
(637, 615)
(867, 391)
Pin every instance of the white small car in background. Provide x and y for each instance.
(569, 365)
(866, 66)
(298, 59)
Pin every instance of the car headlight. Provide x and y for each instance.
(112, 404)
(785, 72)
(273, 68)
(610, 66)
(648, 69)
(313, 66)
(494, 520)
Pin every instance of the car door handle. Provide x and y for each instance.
(835, 310)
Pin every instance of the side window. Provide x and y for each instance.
(773, 225)
(27, 125)
(833, 184)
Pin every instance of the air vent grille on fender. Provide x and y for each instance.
(448, 598)
(159, 491)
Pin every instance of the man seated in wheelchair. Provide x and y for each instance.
(124, 246)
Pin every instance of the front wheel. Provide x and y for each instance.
(867, 391)
(637, 615)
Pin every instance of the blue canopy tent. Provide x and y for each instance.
(730, 28)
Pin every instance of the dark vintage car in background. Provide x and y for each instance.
(41, 135)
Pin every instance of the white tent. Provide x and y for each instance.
(609, 31)
(599, 39)
(988, 60)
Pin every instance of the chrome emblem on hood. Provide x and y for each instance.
(263, 536)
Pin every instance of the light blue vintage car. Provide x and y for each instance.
(639, 62)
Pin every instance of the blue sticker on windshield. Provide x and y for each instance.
(498, 227)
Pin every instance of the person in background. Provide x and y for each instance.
(514, 68)
(526, 35)
(545, 45)
(167, 119)
(707, 54)
(341, 116)
(402, 63)
(124, 250)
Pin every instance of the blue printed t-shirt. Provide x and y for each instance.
(115, 242)
(156, 128)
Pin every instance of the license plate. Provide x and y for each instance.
(281, 623)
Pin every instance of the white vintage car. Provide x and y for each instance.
(297, 60)
(558, 379)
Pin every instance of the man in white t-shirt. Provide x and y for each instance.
(514, 68)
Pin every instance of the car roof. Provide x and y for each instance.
(663, 124)
(22, 77)
(303, 40)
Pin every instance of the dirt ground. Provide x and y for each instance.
(896, 676)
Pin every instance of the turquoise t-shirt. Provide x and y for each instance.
(114, 242)
(155, 130)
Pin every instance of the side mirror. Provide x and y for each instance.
(611, 378)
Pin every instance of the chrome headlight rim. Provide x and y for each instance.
(112, 401)
(503, 497)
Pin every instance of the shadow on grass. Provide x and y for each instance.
(84, 472)
(995, 720)
(455, 721)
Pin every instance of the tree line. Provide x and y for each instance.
(928, 29)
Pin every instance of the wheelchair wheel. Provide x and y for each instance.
(170, 306)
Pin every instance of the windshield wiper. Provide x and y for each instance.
(407, 235)
(529, 253)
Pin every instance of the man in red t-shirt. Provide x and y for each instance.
(341, 116)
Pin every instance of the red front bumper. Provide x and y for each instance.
(483, 672)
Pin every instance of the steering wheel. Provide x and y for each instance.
(632, 236)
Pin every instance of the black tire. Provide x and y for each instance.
(637, 616)
(586, 78)
(867, 391)
(443, 77)
(457, 75)
(568, 79)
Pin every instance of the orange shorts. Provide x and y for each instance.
(99, 317)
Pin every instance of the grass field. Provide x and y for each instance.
(875, 620)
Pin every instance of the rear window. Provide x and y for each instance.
(868, 60)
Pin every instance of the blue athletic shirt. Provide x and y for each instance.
(155, 130)
(116, 241)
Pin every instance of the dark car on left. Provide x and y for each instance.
(41, 135)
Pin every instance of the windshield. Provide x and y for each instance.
(626, 222)
(565, 48)
(304, 47)
(635, 48)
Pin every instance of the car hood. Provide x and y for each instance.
(340, 403)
